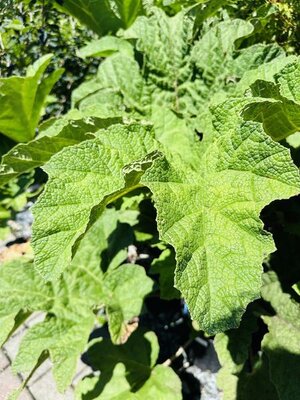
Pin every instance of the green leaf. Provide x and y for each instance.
(164, 41)
(280, 115)
(217, 46)
(165, 266)
(26, 156)
(288, 80)
(233, 349)
(22, 289)
(94, 101)
(103, 16)
(22, 100)
(162, 384)
(281, 343)
(280, 118)
(178, 73)
(175, 135)
(211, 218)
(105, 47)
(128, 10)
(253, 57)
(82, 177)
(265, 72)
(64, 339)
(122, 306)
(129, 372)
(7, 323)
(114, 74)
(70, 302)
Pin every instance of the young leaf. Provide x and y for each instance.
(218, 44)
(22, 99)
(179, 73)
(114, 74)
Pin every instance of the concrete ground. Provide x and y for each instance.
(41, 386)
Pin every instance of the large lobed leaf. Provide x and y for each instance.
(211, 217)
(209, 213)
(83, 177)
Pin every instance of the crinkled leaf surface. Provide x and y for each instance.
(277, 105)
(217, 44)
(82, 177)
(179, 73)
(22, 99)
(129, 372)
(176, 135)
(26, 156)
(282, 342)
(211, 217)
(265, 71)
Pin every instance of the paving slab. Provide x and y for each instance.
(45, 389)
(11, 347)
(35, 318)
(4, 362)
(41, 371)
(82, 370)
(9, 382)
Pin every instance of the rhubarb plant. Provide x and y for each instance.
(190, 132)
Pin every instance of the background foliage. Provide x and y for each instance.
(30, 29)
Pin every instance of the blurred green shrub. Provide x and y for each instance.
(30, 29)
